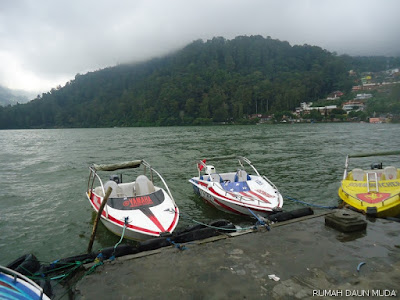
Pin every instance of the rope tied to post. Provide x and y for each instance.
(112, 257)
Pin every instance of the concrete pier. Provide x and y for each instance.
(297, 259)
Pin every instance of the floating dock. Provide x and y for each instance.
(301, 258)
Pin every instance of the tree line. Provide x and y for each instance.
(206, 82)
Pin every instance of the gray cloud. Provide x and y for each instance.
(44, 43)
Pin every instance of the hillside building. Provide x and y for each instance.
(306, 108)
(353, 106)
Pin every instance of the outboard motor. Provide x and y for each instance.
(117, 178)
(209, 170)
(376, 166)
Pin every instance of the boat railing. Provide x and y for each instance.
(92, 176)
(17, 275)
(146, 164)
(242, 158)
(349, 195)
(270, 182)
(246, 199)
(241, 198)
(201, 163)
(346, 165)
(362, 202)
(255, 170)
(132, 164)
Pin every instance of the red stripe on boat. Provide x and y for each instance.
(266, 209)
(121, 223)
(153, 218)
(174, 220)
(111, 218)
(219, 195)
(228, 207)
(245, 195)
(259, 196)
(7, 285)
(97, 205)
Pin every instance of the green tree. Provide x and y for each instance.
(217, 80)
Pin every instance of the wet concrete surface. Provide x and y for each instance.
(310, 259)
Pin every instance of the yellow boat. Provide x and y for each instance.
(375, 191)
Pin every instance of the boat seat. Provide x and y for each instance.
(143, 186)
(127, 190)
(215, 178)
(358, 174)
(390, 173)
(241, 175)
(115, 188)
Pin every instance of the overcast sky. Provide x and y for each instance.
(45, 43)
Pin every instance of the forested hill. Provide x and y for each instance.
(214, 81)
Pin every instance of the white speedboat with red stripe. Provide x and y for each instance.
(137, 209)
(237, 192)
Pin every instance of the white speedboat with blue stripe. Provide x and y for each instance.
(237, 192)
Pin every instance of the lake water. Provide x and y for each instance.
(44, 210)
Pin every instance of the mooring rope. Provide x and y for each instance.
(98, 262)
(112, 257)
(177, 245)
(215, 227)
(260, 221)
(310, 204)
(45, 274)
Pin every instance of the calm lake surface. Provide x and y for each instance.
(44, 173)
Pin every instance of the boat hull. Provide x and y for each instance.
(139, 224)
(14, 285)
(382, 203)
(260, 198)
